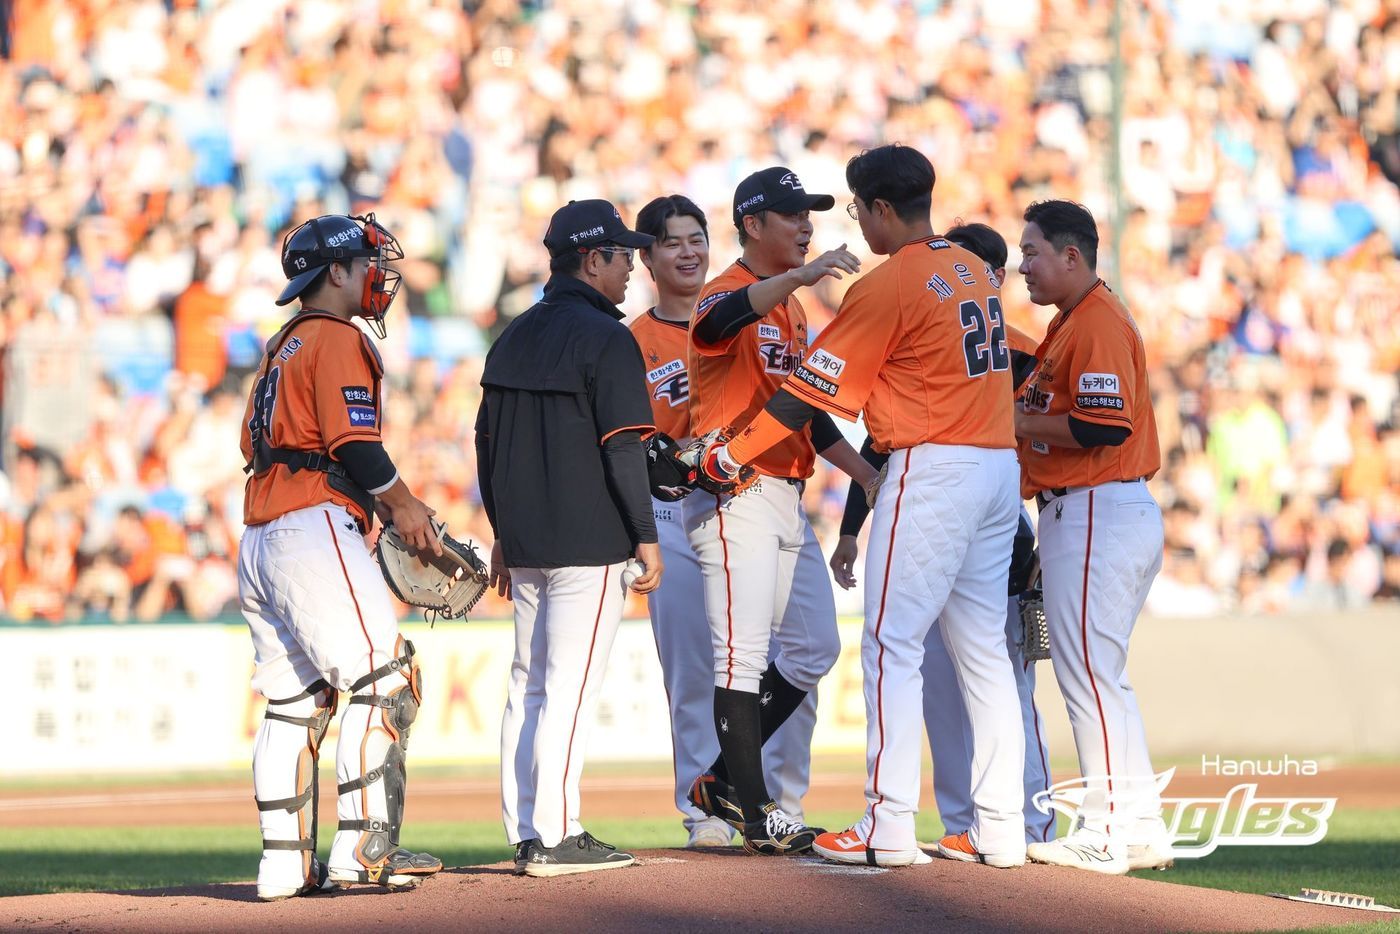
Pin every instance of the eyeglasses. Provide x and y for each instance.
(628, 252)
(851, 210)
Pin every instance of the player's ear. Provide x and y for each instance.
(753, 223)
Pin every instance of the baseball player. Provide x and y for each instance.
(763, 570)
(563, 480)
(1088, 444)
(316, 605)
(678, 262)
(919, 345)
(945, 717)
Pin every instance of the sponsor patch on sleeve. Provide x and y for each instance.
(361, 416)
(709, 301)
(816, 381)
(1099, 382)
(769, 332)
(1099, 402)
(357, 395)
(825, 362)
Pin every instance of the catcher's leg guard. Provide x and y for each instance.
(373, 737)
(285, 757)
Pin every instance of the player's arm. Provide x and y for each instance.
(1067, 431)
(843, 558)
(1100, 368)
(348, 419)
(783, 415)
(622, 415)
(720, 318)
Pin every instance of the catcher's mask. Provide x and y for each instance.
(332, 238)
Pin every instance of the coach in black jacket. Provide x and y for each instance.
(564, 482)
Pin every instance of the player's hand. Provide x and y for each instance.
(843, 561)
(649, 553)
(412, 519)
(716, 464)
(831, 263)
(500, 574)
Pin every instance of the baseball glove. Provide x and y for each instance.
(701, 455)
(668, 475)
(1035, 634)
(447, 586)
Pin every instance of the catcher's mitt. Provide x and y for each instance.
(1035, 634)
(447, 586)
(668, 475)
(701, 456)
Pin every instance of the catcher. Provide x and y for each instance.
(321, 621)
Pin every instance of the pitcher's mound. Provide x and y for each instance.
(679, 890)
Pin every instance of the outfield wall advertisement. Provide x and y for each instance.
(102, 699)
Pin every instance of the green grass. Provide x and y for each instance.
(1360, 854)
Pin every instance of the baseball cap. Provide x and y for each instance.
(580, 225)
(776, 189)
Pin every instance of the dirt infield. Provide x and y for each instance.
(638, 796)
(676, 890)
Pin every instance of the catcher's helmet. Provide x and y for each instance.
(308, 249)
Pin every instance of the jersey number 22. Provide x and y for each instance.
(983, 346)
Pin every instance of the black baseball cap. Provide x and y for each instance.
(776, 189)
(580, 225)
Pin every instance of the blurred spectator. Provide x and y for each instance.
(153, 154)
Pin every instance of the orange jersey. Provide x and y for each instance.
(731, 382)
(1016, 339)
(919, 345)
(318, 389)
(1091, 365)
(664, 353)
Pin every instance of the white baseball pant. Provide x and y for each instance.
(940, 546)
(316, 607)
(950, 734)
(565, 622)
(1100, 548)
(765, 581)
(684, 646)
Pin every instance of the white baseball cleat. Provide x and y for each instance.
(710, 833)
(848, 847)
(1080, 850)
(1150, 856)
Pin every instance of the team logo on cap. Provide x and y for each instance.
(791, 181)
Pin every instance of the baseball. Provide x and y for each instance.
(632, 571)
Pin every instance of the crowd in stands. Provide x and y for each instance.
(152, 154)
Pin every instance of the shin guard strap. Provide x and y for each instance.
(305, 843)
(403, 661)
(290, 805)
(315, 687)
(372, 826)
(364, 781)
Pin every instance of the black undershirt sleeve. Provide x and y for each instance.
(367, 463)
(824, 431)
(1093, 435)
(856, 510)
(728, 317)
(483, 466)
(1022, 364)
(625, 465)
(791, 411)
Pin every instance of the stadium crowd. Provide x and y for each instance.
(152, 155)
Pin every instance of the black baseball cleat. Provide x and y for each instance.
(777, 834)
(717, 799)
(579, 853)
(522, 854)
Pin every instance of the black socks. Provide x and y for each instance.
(744, 722)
